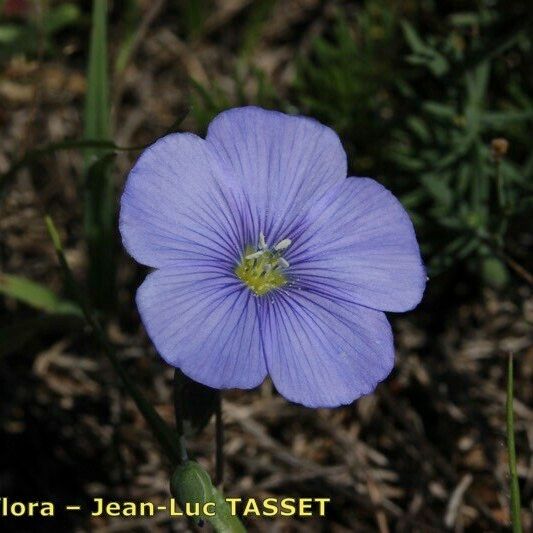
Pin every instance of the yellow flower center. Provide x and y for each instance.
(262, 269)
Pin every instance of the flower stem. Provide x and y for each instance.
(515, 489)
(219, 430)
(500, 187)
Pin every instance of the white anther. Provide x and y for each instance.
(262, 243)
(255, 255)
(283, 262)
(267, 268)
(282, 245)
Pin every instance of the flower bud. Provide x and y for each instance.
(498, 148)
(191, 484)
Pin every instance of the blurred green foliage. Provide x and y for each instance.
(347, 79)
(34, 33)
(35, 295)
(465, 196)
(207, 102)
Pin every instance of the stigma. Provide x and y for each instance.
(263, 269)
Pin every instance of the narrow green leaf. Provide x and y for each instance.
(419, 128)
(97, 99)
(439, 110)
(464, 19)
(9, 33)
(131, 13)
(502, 118)
(476, 84)
(438, 188)
(99, 212)
(36, 295)
(414, 41)
(99, 192)
(423, 53)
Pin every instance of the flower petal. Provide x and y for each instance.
(359, 244)
(206, 324)
(282, 162)
(324, 353)
(178, 205)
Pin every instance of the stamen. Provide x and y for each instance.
(283, 262)
(262, 243)
(255, 255)
(282, 245)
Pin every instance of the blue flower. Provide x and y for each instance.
(268, 259)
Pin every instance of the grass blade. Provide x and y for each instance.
(515, 489)
(96, 119)
(36, 295)
(99, 211)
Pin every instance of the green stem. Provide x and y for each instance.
(515, 489)
(500, 187)
(219, 431)
(502, 208)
